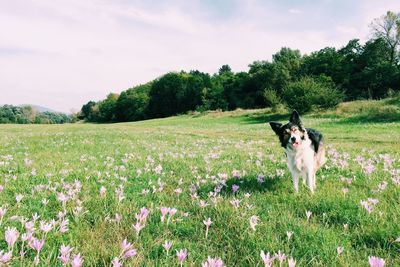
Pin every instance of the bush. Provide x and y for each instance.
(272, 99)
(309, 93)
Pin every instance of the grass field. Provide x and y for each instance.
(84, 186)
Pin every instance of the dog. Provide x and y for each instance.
(304, 149)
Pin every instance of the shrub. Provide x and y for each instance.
(308, 93)
(272, 99)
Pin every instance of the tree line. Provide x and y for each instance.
(27, 115)
(319, 80)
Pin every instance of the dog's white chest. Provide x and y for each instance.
(301, 159)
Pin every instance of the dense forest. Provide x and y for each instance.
(28, 114)
(319, 80)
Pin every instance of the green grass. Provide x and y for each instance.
(194, 150)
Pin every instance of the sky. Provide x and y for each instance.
(63, 53)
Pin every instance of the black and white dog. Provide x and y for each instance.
(304, 150)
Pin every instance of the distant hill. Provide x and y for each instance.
(41, 108)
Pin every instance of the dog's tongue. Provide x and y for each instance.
(296, 144)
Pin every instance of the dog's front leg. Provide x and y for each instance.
(295, 178)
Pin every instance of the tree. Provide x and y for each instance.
(86, 110)
(133, 103)
(387, 27)
(106, 108)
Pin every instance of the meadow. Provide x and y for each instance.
(213, 188)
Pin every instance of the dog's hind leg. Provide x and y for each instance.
(311, 180)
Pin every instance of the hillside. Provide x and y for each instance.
(104, 183)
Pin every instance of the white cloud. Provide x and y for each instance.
(295, 11)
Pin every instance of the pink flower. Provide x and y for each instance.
(64, 226)
(5, 257)
(266, 259)
(37, 244)
(116, 262)
(164, 212)
(130, 253)
(376, 262)
(11, 236)
(235, 188)
(280, 256)
(65, 252)
(142, 216)
(181, 254)
(235, 202)
(77, 260)
(158, 169)
(138, 227)
(103, 191)
(208, 222)
(18, 198)
(368, 169)
(253, 222)
(211, 262)
(167, 245)
(291, 262)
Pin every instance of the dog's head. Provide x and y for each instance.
(291, 134)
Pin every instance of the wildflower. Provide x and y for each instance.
(158, 169)
(260, 178)
(19, 198)
(339, 250)
(138, 227)
(116, 262)
(211, 262)
(65, 252)
(11, 236)
(266, 259)
(308, 214)
(181, 254)
(77, 260)
(235, 202)
(345, 190)
(64, 226)
(45, 227)
(280, 256)
(127, 249)
(167, 245)
(289, 235)
(291, 262)
(164, 212)
(178, 191)
(235, 188)
(203, 204)
(5, 257)
(142, 216)
(253, 222)
(376, 262)
(207, 224)
(103, 191)
(36, 244)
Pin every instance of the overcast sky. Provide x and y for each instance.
(61, 54)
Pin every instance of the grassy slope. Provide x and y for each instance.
(184, 146)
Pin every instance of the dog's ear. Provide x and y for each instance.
(295, 119)
(276, 126)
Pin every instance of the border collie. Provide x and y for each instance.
(304, 150)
